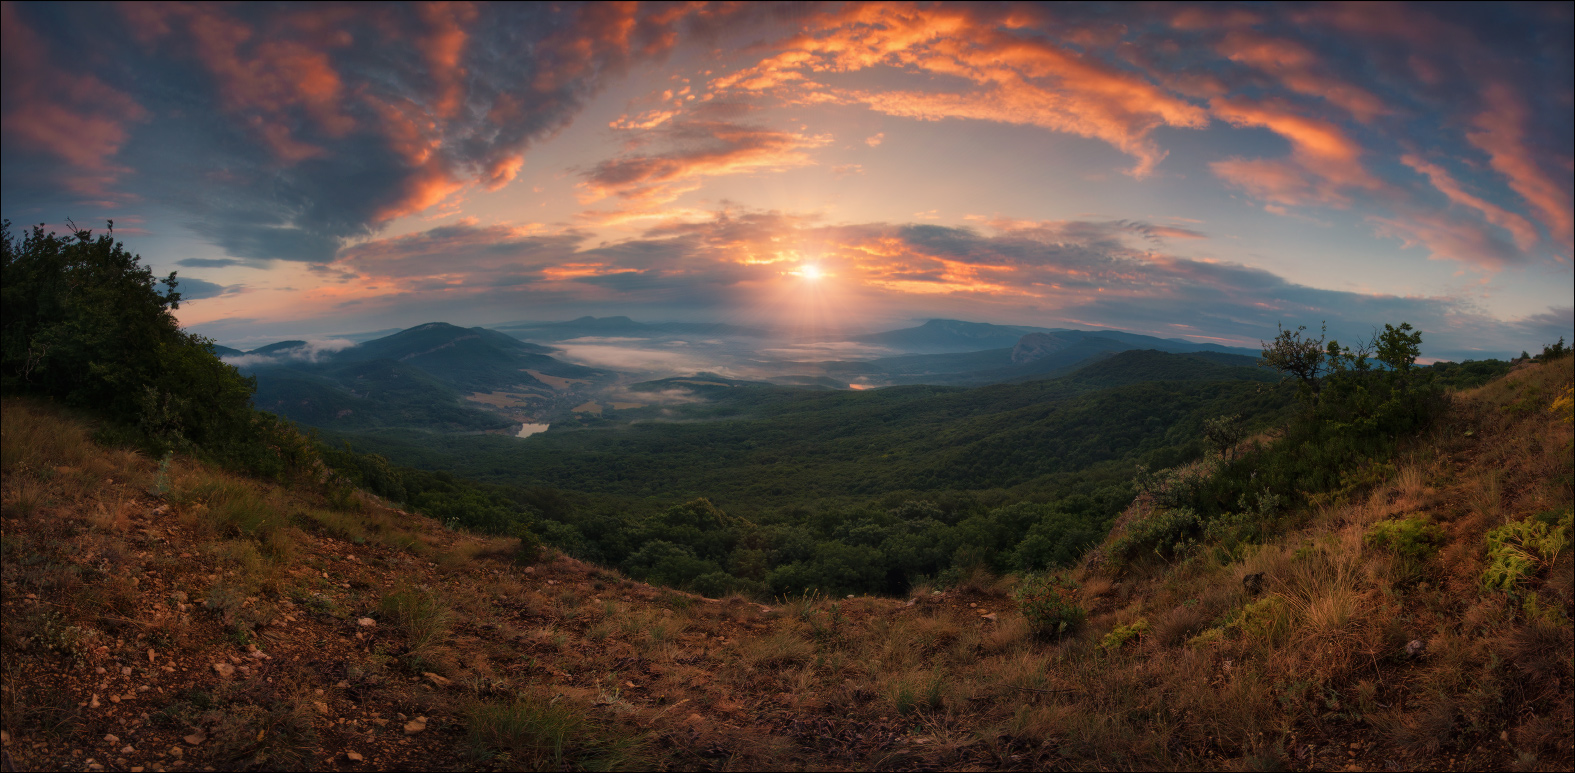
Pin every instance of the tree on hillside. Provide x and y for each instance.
(1298, 356)
(84, 321)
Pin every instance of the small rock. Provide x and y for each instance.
(251, 648)
(125, 671)
(530, 570)
(353, 757)
(179, 597)
(911, 602)
(100, 670)
(416, 725)
(342, 685)
(194, 739)
(112, 739)
(93, 702)
(1415, 647)
(152, 656)
(224, 669)
(128, 749)
(177, 752)
(5, 737)
(144, 688)
(138, 769)
(972, 605)
(322, 708)
(437, 680)
(990, 617)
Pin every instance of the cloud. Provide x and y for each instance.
(1053, 273)
(1009, 75)
(282, 132)
(314, 350)
(75, 117)
(700, 145)
(196, 289)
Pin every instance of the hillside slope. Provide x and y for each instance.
(226, 624)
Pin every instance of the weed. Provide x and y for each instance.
(1415, 537)
(1518, 550)
(1121, 635)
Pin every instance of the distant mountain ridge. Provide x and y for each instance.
(620, 326)
(950, 335)
(433, 376)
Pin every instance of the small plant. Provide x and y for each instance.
(1266, 619)
(1415, 537)
(1121, 635)
(1049, 603)
(1518, 550)
(161, 482)
(529, 549)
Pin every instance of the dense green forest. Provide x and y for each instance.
(755, 488)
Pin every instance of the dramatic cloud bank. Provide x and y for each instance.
(1182, 169)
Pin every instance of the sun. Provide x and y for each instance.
(810, 271)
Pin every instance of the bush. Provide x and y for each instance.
(1049, 603)
(1415, 537)
(1167, 533)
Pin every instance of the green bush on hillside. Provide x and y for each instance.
(1049, 603)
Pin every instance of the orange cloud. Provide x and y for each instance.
(1324, 161)
(1501, 134)
(1448, 238)
(1012, 78)
(1300, 70)
(1524, 232)
(263, 79)
(706, 148)
(74, 117)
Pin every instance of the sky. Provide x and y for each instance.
(1199, 171)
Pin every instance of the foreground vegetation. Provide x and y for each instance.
(1421, 620)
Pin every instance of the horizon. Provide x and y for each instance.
(1185, 171)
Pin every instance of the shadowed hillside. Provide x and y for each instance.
(175, 616)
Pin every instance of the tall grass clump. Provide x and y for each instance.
(419, 615)
(534, 734)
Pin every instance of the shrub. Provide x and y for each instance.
(1415, 537)
(528, 551)
(1167, 533)
(1122, 634)
(1518, 550)
(1049, 603)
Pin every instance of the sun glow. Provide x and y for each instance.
(810, 271)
